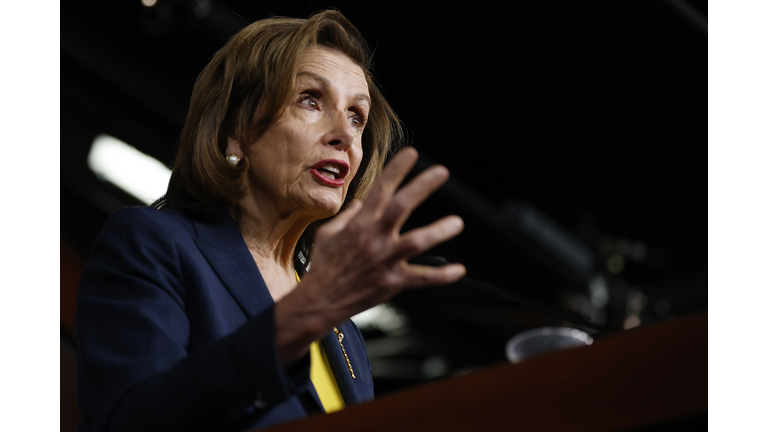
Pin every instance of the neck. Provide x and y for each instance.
(270, 234)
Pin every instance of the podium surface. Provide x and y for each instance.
(633, 380)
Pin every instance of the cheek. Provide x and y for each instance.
(356, 157)
(294, 145)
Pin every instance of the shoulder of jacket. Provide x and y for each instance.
(147, 218)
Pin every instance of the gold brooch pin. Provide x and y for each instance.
(340, 336)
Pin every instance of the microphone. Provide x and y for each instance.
(438, 261)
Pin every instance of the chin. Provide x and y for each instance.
(327, 207)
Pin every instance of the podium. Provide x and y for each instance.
(650, 378)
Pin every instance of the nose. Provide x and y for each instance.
(340, 133)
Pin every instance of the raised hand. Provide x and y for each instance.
(360, 257)
(362, 249)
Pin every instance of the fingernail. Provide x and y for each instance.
(458, 271)
(458, 223)
(439, 171)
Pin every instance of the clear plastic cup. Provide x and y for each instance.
(544, 339)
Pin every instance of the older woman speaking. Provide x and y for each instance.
(197, 313)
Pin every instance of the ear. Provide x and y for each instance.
(233, 147)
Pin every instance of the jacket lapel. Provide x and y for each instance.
(347, 384)
(221, 243)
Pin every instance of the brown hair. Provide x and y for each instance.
(257, 69)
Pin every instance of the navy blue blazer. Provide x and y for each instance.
(175, 331)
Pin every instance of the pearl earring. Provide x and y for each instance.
(233, 160)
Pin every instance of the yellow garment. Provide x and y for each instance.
(322, 377)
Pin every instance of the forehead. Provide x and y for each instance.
(334, 67)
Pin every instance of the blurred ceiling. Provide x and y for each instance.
(586, 118)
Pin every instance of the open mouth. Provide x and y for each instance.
(331, 171)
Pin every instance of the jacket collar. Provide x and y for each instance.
(222, 244)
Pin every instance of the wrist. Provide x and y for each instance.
(299, 321)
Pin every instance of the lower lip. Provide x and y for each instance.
(327, 180)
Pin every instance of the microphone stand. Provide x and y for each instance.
(537, 306)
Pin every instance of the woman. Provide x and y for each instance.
(191, 314)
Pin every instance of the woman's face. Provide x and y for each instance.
(307, 159)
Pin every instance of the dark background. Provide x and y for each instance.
(593, 113)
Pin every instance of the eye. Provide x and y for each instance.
(358, 120)
(309, 100)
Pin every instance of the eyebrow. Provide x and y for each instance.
(358, 97)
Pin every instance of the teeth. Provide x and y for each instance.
(329, 171)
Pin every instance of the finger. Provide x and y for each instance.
(412, 195)
(422, 239)
(343, 217)
(421, 276)
(390, 178)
